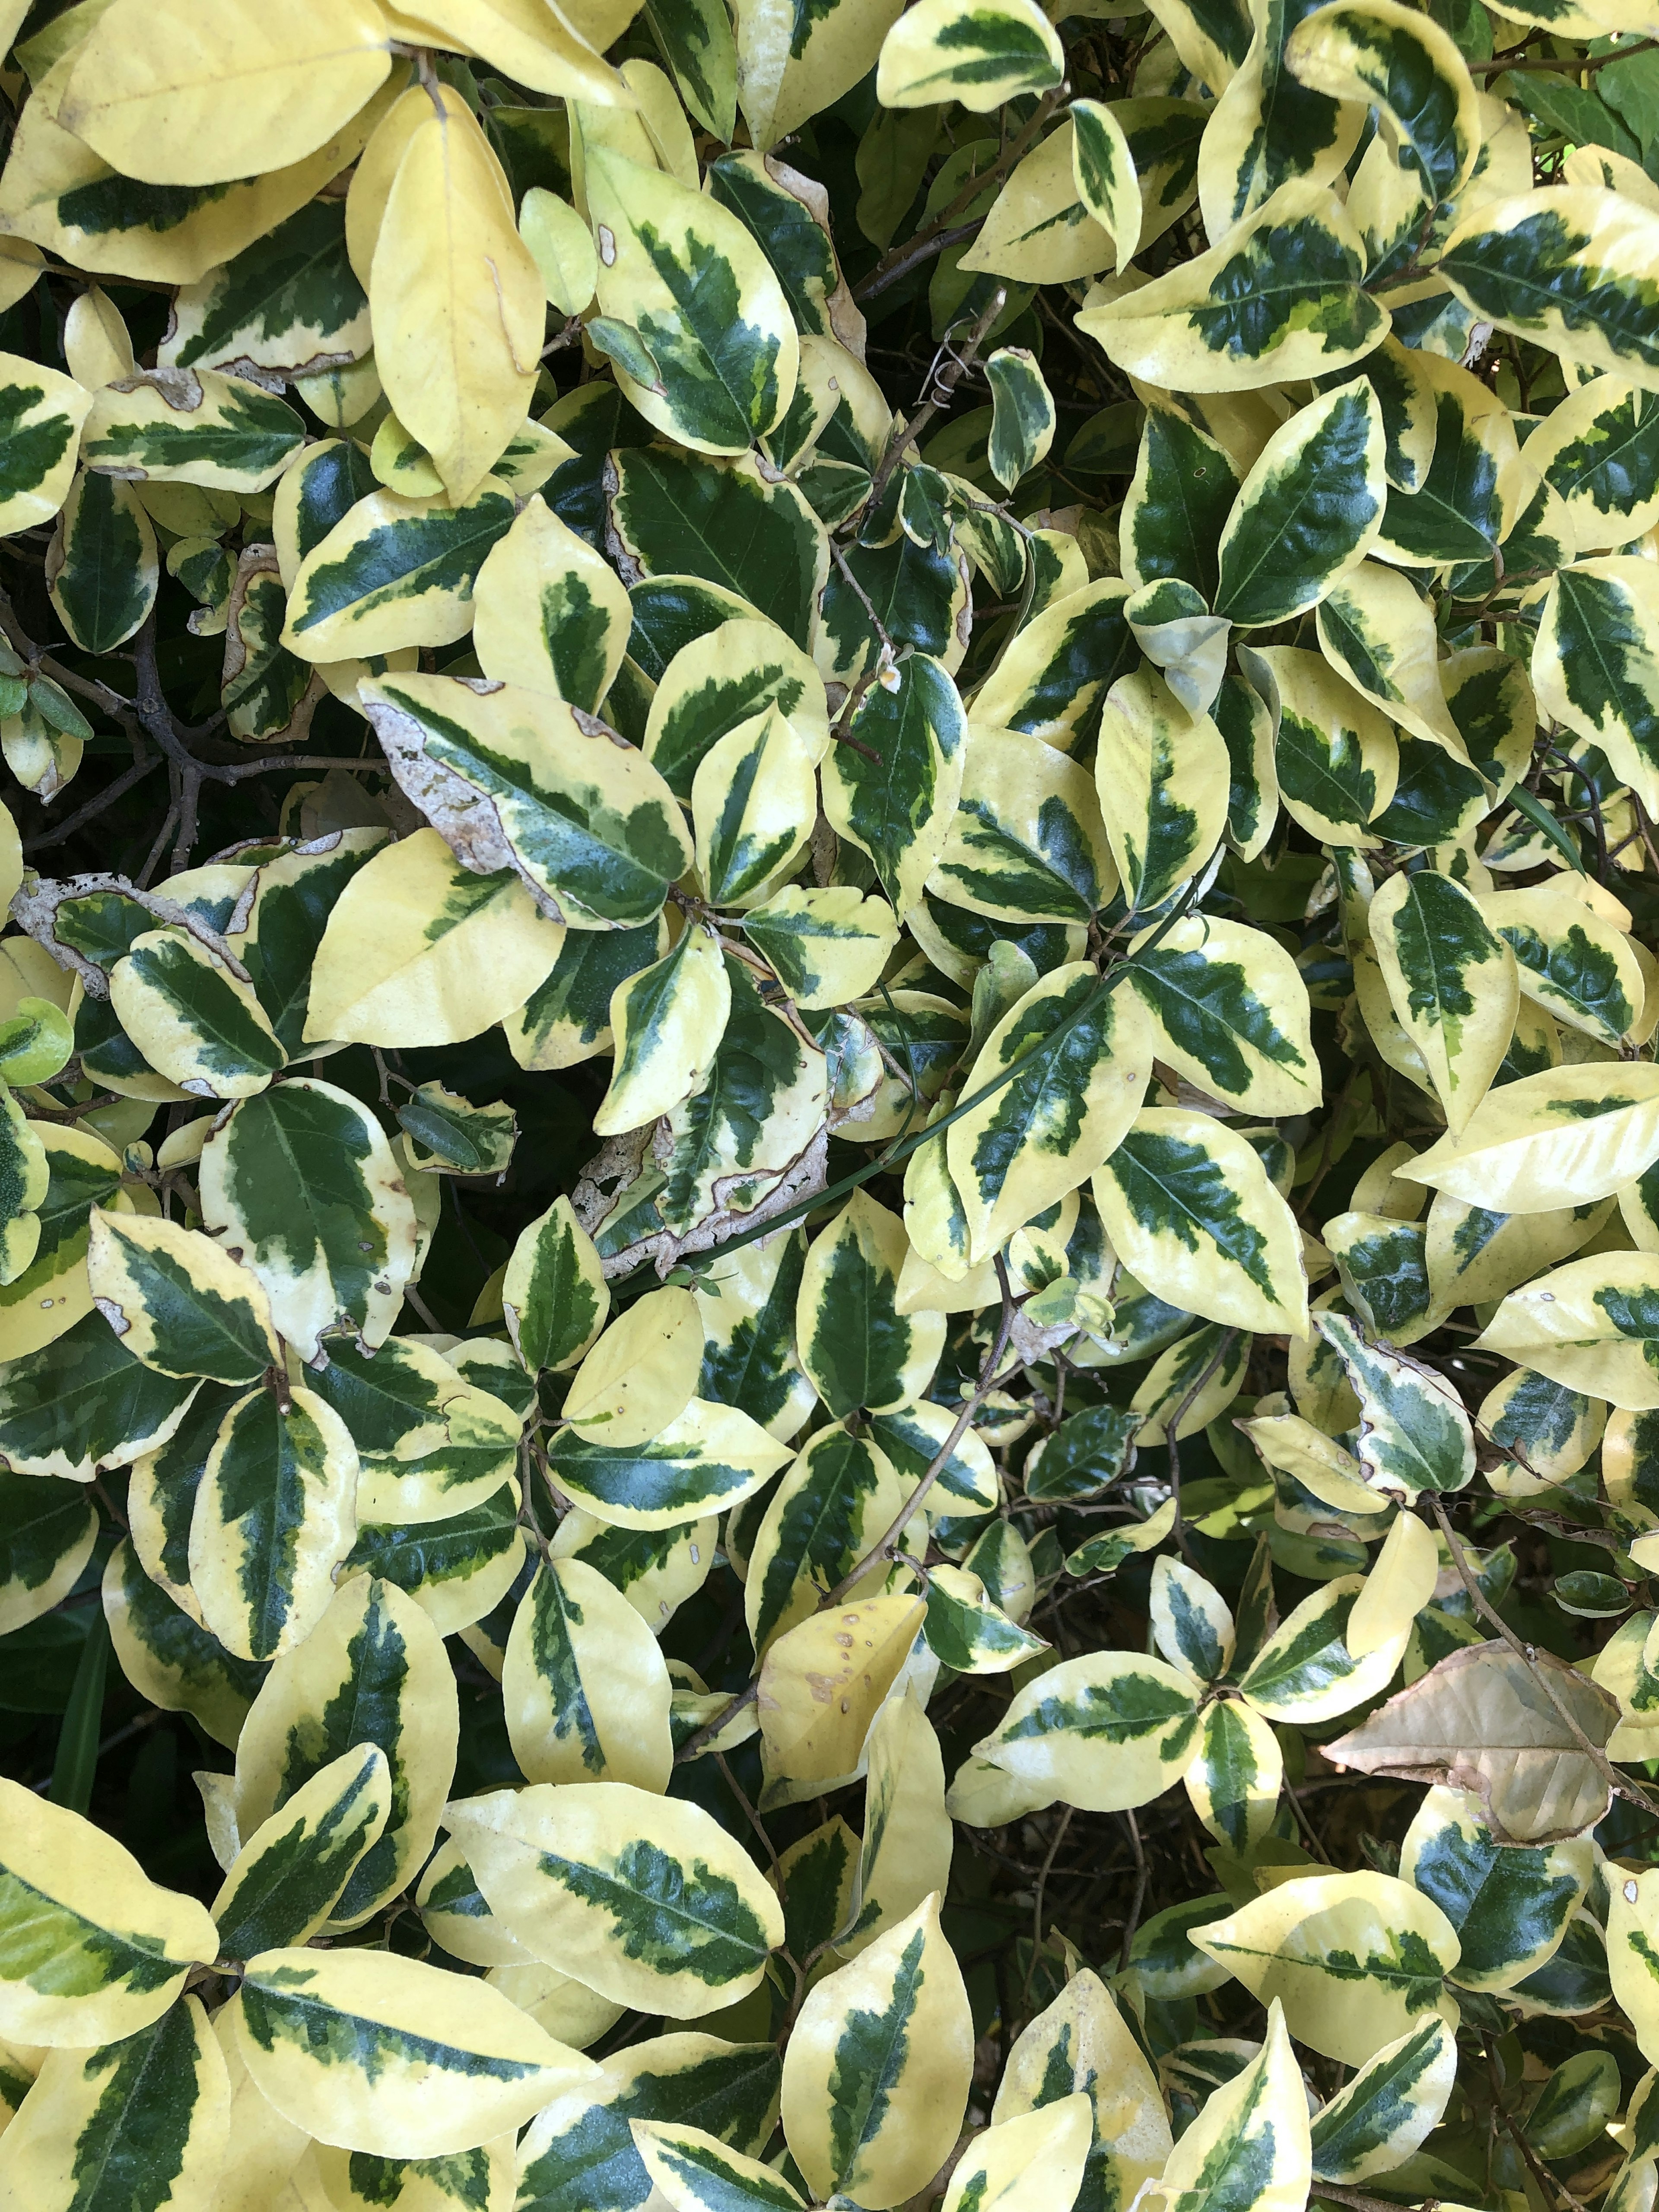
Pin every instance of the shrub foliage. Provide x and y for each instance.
(829, 1151)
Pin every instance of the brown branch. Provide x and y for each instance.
(1139, 1896)
(922, 247)
(1360, 2202)
(107, 797)
(35, 911)
(1572, 65)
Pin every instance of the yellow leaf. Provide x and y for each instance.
(456, 301)
(1397, 1587)
(377, 169)
(175, 94)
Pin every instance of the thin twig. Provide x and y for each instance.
(1571, 65)
(35, 910)
(903, 257)
(940, 391)
(107, 797)
(885, 639)
(909, 1140)
(1053, 1853)
(887, 1543)
(1139, 1896)
(1359, 2201)
(1305, 1824)
(922, 247)
(1541, 2173)
(527, 1517)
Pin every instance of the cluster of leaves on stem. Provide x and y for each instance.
(829, 1110)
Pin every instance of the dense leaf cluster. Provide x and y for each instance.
(829, 1127)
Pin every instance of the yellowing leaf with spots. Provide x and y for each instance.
(639, 1377)
(820, 1685)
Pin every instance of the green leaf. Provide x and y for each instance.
(855, 1345)
(110, 573)
(688, 276)
(1311, 507)
(94, 1948)
(553, 1292)
(579, 2154)
(75, 1765)
(683, 514)
(274, 1517)
(46, 1536)
(139, 2122)
(83, 1402)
